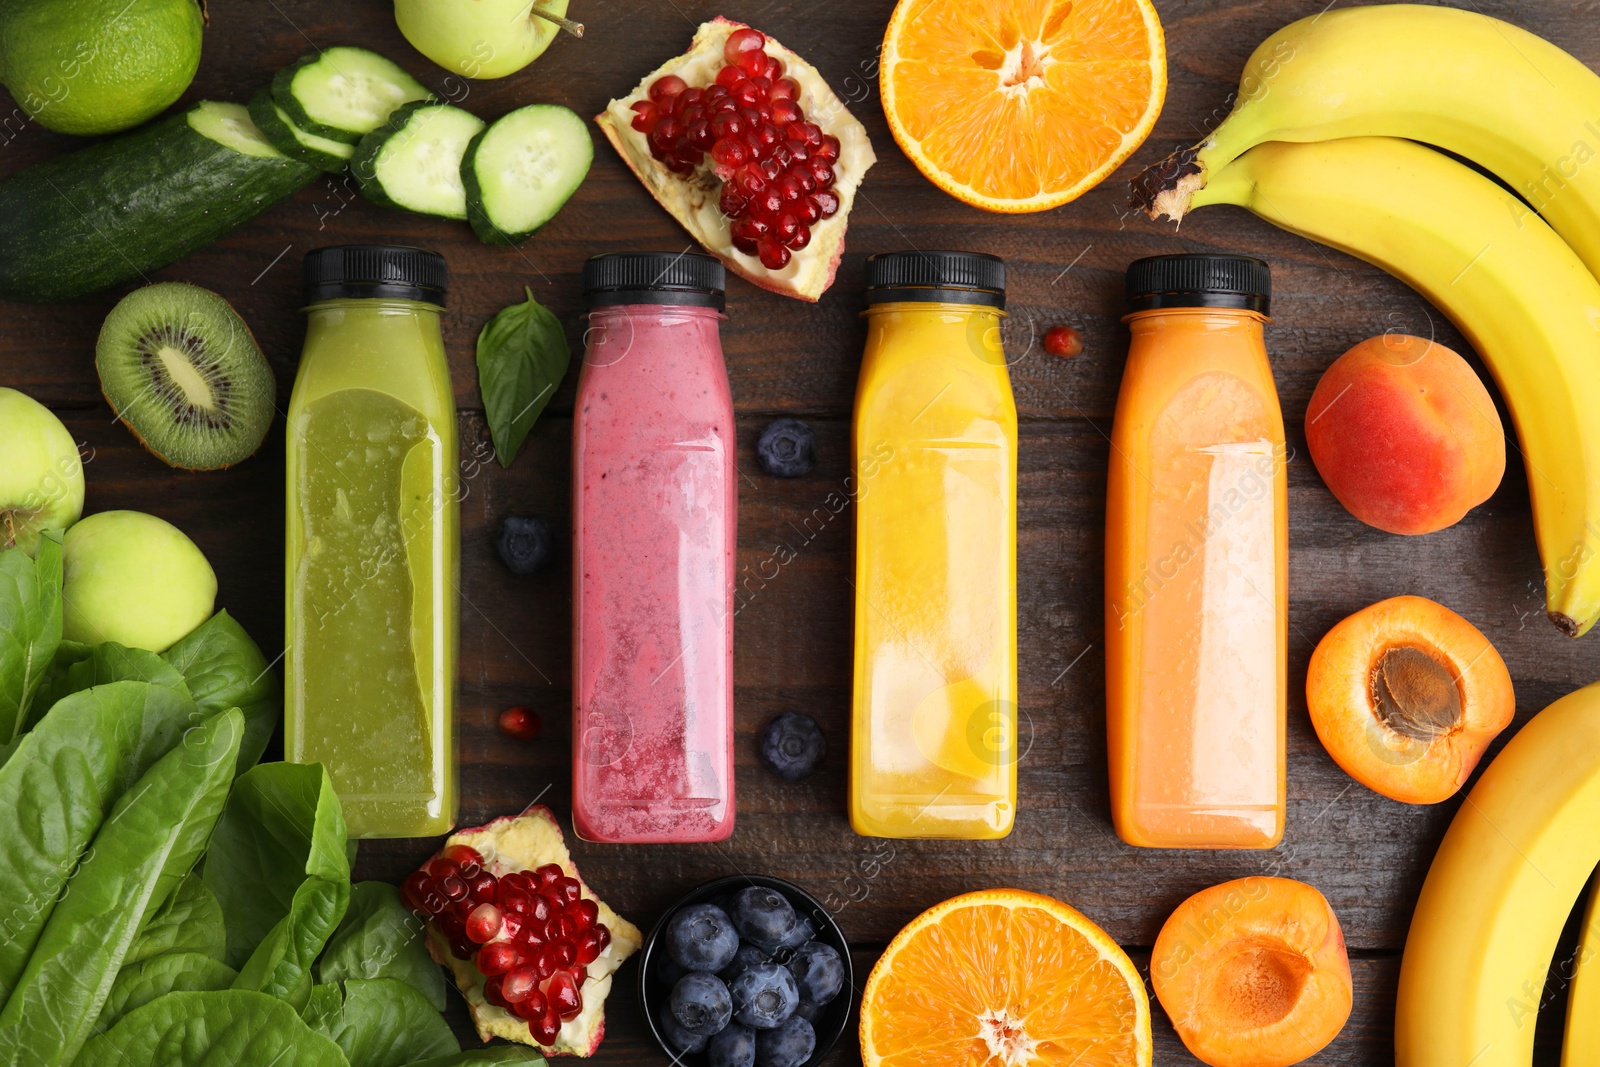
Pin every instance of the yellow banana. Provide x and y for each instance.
(1581, 1048)
(1512, 286)
(1504, 880)
(1484, 89)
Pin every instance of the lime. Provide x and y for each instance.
(91, 67)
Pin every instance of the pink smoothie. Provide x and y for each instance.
(653, 515)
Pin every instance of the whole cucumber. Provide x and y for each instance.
(108, 213)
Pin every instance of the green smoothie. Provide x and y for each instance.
(373, 554)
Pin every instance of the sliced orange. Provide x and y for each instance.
(1022, 105)
(1004, 978)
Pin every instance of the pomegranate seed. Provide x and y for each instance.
(727, 124)
(541, 909)
(767, 205)
(566, 926)
(484, 887)
(1063, 341)
(510, 925)
(544, 962)
(492, 993)
(415, 889)
(771, 135)
(801, 238)
(822, 172)
(827, 202)
(729, 153)
(747, 245)
(514, 899)
(807, 210)
(742, 40)
(701, 135)
(548, 875)
(690, 115)
(453, 887)
(784, 112)
(789, 189)
(515, 878)
(442, 868)
(519, 983)
(579, 976)
(773, 255)
(814, 134)
(665, 136)
(532, 1008)
(689, 157)
(545, 1029)
(827, 149)
(563, 994)
(802, 175)
(731, 203)
(569, 890)
(763, 85)
(751, 228)
(586, 913)
(666, 87)
(753, 62)
(588, 946)
(784, 228)
(532, 935)
(749, 182)
(563, 953)
(784, 89)
(605, 935)
(462, 948)
(483, 925)
(467, 859)
(728, 77)
(746, 93)
(646, 113)
(715, 92)
(497, 957)
(694, 96)
(774, 68)
(450, 924)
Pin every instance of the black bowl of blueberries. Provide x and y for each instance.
(746, 971)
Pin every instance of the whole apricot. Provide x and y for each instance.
(1253, 973)
(1405, 435)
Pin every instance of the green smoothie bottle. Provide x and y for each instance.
(373, 541)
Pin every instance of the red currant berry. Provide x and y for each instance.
(773, 255)
(1063, 341)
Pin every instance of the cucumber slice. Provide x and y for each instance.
(321, 152)
(230, 125)
(414, 161)
(520, 171)
(344, 93)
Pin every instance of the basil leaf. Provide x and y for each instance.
(150, 841)
(522, 357)
(58, 786)
(383, 1023)
(231, 1028)
(140, 983)
(225, 669)
(380, 938)
(30, 629)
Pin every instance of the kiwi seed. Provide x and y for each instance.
(181, 368)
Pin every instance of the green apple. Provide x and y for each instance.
(41, 475)
(479, 38)
(134, 579)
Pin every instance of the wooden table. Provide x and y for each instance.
(1366, 853)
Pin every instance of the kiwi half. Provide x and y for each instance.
(180, 367)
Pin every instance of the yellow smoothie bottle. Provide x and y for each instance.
(1197, 556)
(373, 542)
(934, 713)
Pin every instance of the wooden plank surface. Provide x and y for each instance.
(1367, 854)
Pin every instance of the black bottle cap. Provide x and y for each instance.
(941, 277)
(1199, 280)
(681, 278)
(396, 272)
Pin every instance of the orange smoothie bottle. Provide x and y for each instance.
(1197, 545)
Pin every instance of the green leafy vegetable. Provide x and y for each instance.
(278, 866)
(109, 662)
(519, 1054)
(30, 629)
(232, 1028)
(383, 1023)
(58, 786)
(150, 841)
(225, 669)
(189, 922)
(522, 357)
(380, 938)
(140, 983)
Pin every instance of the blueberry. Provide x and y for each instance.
(808, 1011)
(764, 917)
(803, 931)
(788, 1045)
(818, 972)
(792, 745)
(764, 996)
(701, 937)
(701, 1004)
(787, 448)
(733, 1047)
(677, 1037)
(747, 957)
(525, 544)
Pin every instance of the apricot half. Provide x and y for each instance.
(1406, 695)
(1404, 434)
(1253, 973)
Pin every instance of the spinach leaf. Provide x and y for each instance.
(58, 786)
(522, 357)
(278, 866)
(231, 1028)
(30, 629)
(322, 1008)
(150, 841)
(225, 669)
(189, 922)
(111, 662)
(140, 983)
(384, 1023)
(380, 938)
(519, 1054)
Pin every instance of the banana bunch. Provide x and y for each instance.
(1321, 142)
(1582, 1045)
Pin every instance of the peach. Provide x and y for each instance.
(1405, 434)
(1405, 695)
(1253, 973)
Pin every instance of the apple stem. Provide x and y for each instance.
(574, 28)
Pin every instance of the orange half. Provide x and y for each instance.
(1022, 105)
(1004, 978)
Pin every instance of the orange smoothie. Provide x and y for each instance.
(1197, 564)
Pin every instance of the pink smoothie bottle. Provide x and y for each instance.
(654, 502)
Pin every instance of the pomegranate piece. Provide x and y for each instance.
(519, 722)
